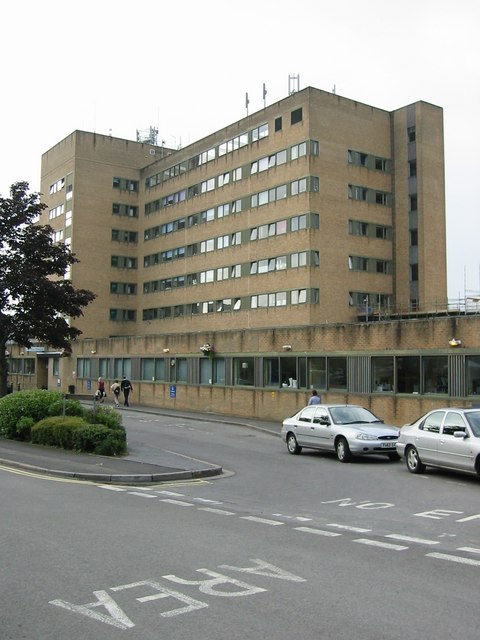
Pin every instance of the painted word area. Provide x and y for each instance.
(105, 609)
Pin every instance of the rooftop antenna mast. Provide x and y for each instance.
(293, 84)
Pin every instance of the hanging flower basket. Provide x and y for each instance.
(208, 350)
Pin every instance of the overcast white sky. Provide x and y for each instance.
(113, 66)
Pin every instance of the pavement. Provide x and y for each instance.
(134, 469)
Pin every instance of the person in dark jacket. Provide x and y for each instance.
(126, 387)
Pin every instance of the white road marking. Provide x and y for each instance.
(397, 536)
(383, 545)
(181, 503)
(450, 558)
(348, 528)
(319, 532)
(299, 518)
(110, 488)
(469, 549)
(207, 501)
(172, 493)
(221, 512)
(261, 520)
(142, 495)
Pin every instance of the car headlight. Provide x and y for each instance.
(365, 436)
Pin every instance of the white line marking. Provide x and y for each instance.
(221, 512)
(397, 536)
(347, 528)
(207, 501)
(319, 532)
(171, 493)
(142, 495)
(181, 503)
(469, 549)
(460, 560)
(261, 520)
(383, 545)
(104, 486)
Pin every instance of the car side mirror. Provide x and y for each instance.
(324, 420)
(459, 434)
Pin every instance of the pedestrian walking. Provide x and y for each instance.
(314, 398)
(126, 387)
(116, 392)
(101, 393)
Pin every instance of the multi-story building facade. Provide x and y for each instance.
(316, 209)
(314, 214)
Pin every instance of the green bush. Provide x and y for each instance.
(23, 428)
(73, 432)
(95, 438)
(107, 416)
(56, 431)
(35, 404)
(67, 406)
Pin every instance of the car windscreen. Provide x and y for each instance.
(473, 418)
(352, 415)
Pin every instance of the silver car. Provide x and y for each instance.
(345, 429)
(448, 438)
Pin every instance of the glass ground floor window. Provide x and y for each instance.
(212, 370)
(473, 375)
(402, 374)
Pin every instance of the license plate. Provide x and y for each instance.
(388, 445)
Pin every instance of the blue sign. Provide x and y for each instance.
(89, 385)
(173, 391)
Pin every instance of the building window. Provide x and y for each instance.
(317, 373)
(337, 373)
(435, 374)
(472, 364)
(411, 134)
(296, 116)
(278, 123)
(382, 373)
(83, 368)
(122, 367)
(408, 374)
(243, 371)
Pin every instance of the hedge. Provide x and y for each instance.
(77, 434)
(48, 418)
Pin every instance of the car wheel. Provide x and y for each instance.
(393, 457)
(292, 445)
(414, 464)
(343, 450)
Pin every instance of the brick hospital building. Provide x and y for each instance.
(304, 244)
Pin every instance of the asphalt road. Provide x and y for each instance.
(279, 547)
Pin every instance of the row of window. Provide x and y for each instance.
(237, 238)
(259, 301)
(372, 196)
(278, 263)
(371, 265)
(227, 146)
(369, 161)
(370, 230)
(293, 188)
(367, 304)
(426, 374)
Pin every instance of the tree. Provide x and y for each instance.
(36, 302)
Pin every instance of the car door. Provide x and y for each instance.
(322, 432)
(454, 451)
(428, 435)
(305, 427)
